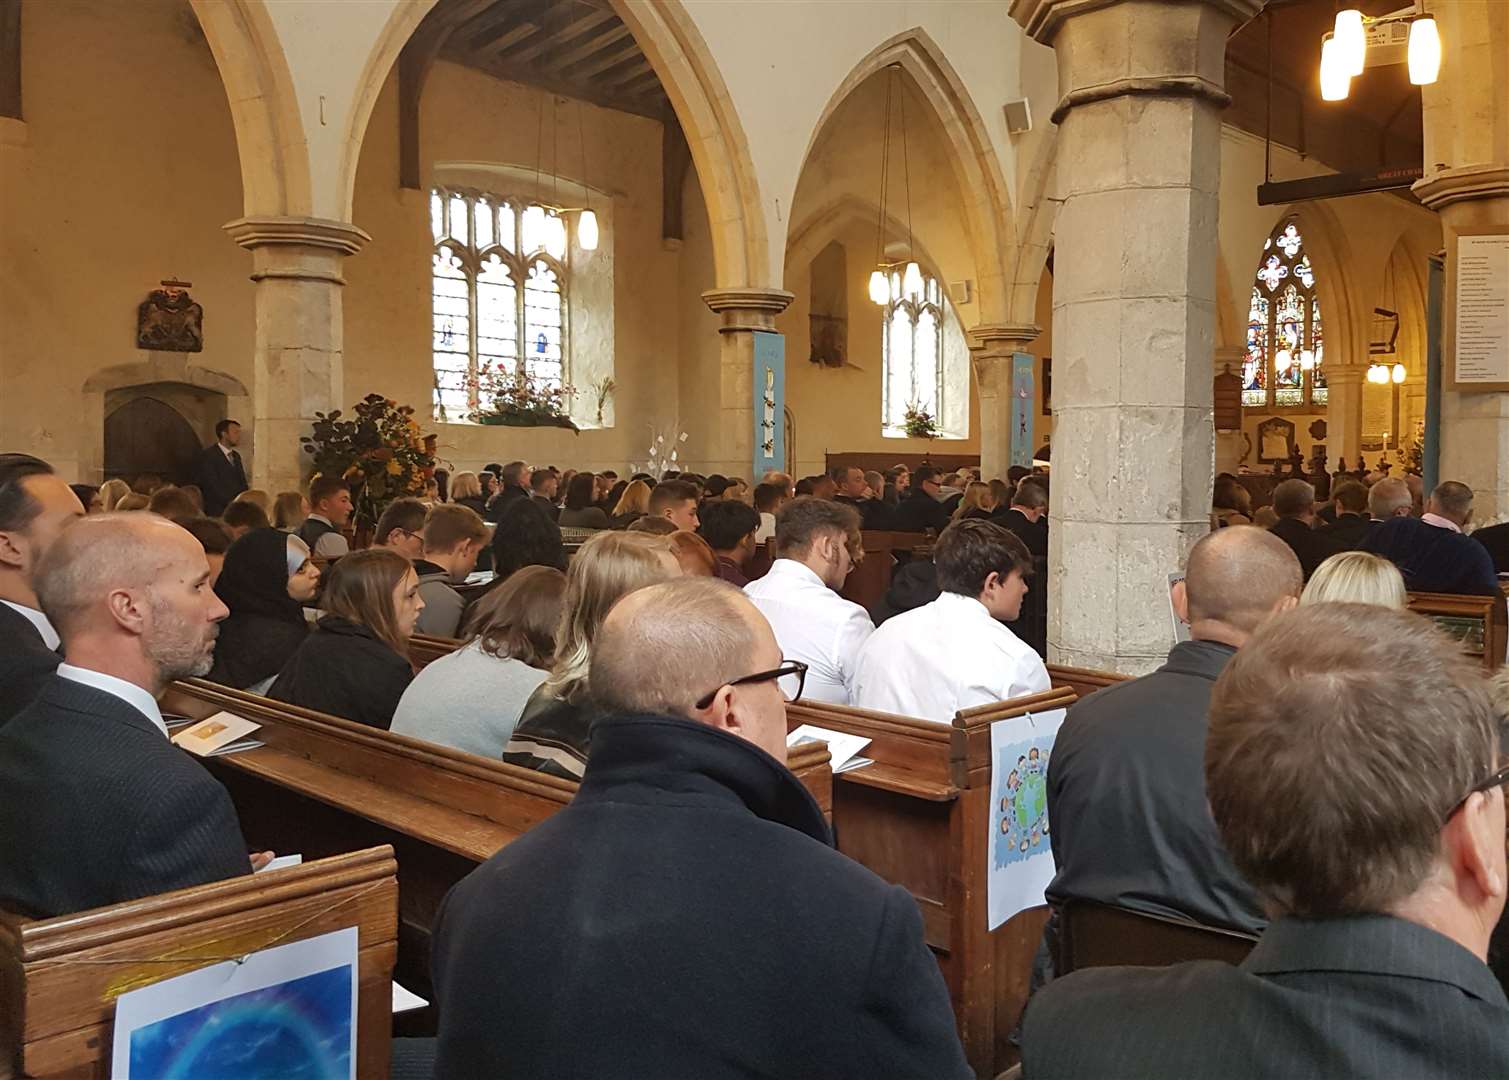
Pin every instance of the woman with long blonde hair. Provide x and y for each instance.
(552, 735)
(632, 505)
(257, 497)
(978, 502)
(356, 662)
(289, 510)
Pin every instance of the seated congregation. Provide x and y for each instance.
(1314, 773)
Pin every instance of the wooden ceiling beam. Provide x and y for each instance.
(634, 71)
(640, 87)
(644, 105)
(592, 46)
(568, 33)
(603, 61)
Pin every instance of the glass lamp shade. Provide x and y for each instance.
(1399, 373)
(1335, 83)
(586, 231)
(911, 281)
(1284, 359)
(1306, 360)
(1352, 41)
(880, 290)
(1424, 51)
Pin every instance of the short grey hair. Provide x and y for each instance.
(665, 646)
(1453, 499)
(1387, 496)
(96, 555)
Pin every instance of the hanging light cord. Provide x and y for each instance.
(906, 166)
(885, 166)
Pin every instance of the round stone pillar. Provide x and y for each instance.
(296, 263)
(992, 350)
(745, 312)
(1135, 244)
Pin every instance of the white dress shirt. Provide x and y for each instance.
(934, 660)
(36, 618)
(331, 545)
(128, 692)
(813, 624)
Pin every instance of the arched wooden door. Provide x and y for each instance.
(149, 436)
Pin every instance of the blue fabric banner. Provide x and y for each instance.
(769, 404)
(1023, 407)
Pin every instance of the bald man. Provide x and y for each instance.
(686, 915)
(1126, 788)
(97, 806)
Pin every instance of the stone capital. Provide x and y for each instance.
(1042, 19)
(997, 341)
(300, 248)
(747, 308)
(1460, 185)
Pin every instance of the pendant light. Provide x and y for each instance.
(1424, 51)
(1398, 374)
(587, 236)
(1335, 83)
(1351, 41)
(886, 286)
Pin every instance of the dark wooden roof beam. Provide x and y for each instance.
(591, 47)
(603, 61)
(564, 34)
(635, 70)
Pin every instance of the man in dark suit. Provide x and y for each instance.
(99, 807)
(1126, 784)
(218, 470)
(35, 507)
(1353, 771)
(543, 486)
(1352, 523)
(686, 915)
(513, 480)
(851, 491)
(921, 510)
(1432, 552)
(1027, 516)
(1294, 503)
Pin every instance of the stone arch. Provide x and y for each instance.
(977, 169)
(270, 142)
(681, 60)
(809, 235)
(1346, 316)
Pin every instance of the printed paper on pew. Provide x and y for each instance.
(405, 1000)
(841, 747)
(282, 862)
(1019, 859)
(209, 735)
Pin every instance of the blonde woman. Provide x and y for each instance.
(112, 492)
(552, 735)
(978, 502)
(466, 489)
(257, 497)
(289, 510)
(1356, 577)
(632, 505)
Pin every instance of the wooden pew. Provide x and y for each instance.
(425, 648)
(59, 978)
(323, 785)
(868, 582)
(1083, 681)
(1102, 935)
(1478, 622)
(918, 817)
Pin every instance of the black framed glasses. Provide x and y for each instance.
(1499, 778)
(792, 676)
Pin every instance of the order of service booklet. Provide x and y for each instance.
(214, 733)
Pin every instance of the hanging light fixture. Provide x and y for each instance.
(1399, 373)
(886, 285)
(587, 235)
(1351, 41)
(1306, 360)
(1344, 49)
(1284, 358)
(1424, 51)
(1335, 83)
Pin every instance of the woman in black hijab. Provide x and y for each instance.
(267, 578)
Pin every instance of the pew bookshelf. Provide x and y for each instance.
(1478, 622)
(59, 978)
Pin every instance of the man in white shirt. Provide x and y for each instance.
(35, 506)
(99, 806)
(954, 653)
(816, 543)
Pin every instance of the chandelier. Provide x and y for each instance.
(586, 219)
(1382, 374)
(886, 285)
(1344, 51)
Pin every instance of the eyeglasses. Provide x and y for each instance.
(792, 676)
(1498, 779)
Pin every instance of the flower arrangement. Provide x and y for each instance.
(604, 388)
(379, 450)
(513, 400)
(919, 423)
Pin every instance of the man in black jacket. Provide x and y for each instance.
(218, 470)
(1126, 791)
(1353, 771)
(921, 510)
(686, 915)
(35, 507)
(1352, 523)
(513, 480)
(1294, 503)
(99, 807)
(1027, 516)
(852, 488)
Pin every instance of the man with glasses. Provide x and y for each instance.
(920, 510)
(686, 915)
(1353, 769)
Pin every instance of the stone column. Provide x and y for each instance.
(296, 263)
(1228, 448)
(1139, 153)
(745, 312)
(1344, 384)
(1467, 182)
(992, 347)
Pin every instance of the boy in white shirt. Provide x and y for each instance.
(954, 653)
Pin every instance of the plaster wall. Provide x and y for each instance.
(126, 174)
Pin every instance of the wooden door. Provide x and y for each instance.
(146, 435)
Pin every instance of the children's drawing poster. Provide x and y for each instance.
(1020, 852)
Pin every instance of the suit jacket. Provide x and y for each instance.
(873, 514)
(1032, 533)
(1309, 545)
(1433, 559)
(100, 808)
(26, 663)
(220, 480)
(685, 916)
(546, 505)
(344, 669)
(1366, 996)
(1349, 531)
(919, 512)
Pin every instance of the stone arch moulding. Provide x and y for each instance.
(160, 368)
(987, 209)
(682, 62)
(270, 142)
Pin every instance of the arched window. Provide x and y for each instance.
(914, 346)
(1285, 340)
(499, 294)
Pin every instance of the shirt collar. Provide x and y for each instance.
(36, 618)
(795, 568)
(322, 517)
(966, 605)
(1440, 522)
(226, 450)
(128, 692)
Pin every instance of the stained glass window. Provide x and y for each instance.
(499, 295)
(1283, 366)
(913, 346)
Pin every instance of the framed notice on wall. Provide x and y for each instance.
(1477, 289)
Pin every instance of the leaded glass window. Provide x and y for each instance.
(913, 348)
(1285, 342)
(499, 295)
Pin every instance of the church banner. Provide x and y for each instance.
(1023, 405)
(769, 404)
(1020, 853)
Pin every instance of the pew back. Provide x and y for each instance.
(1478, 622)
(59, 978)
(1100, 935)
(1083, 681)
(868, 582)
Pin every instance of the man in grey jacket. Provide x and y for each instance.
(453, 537)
